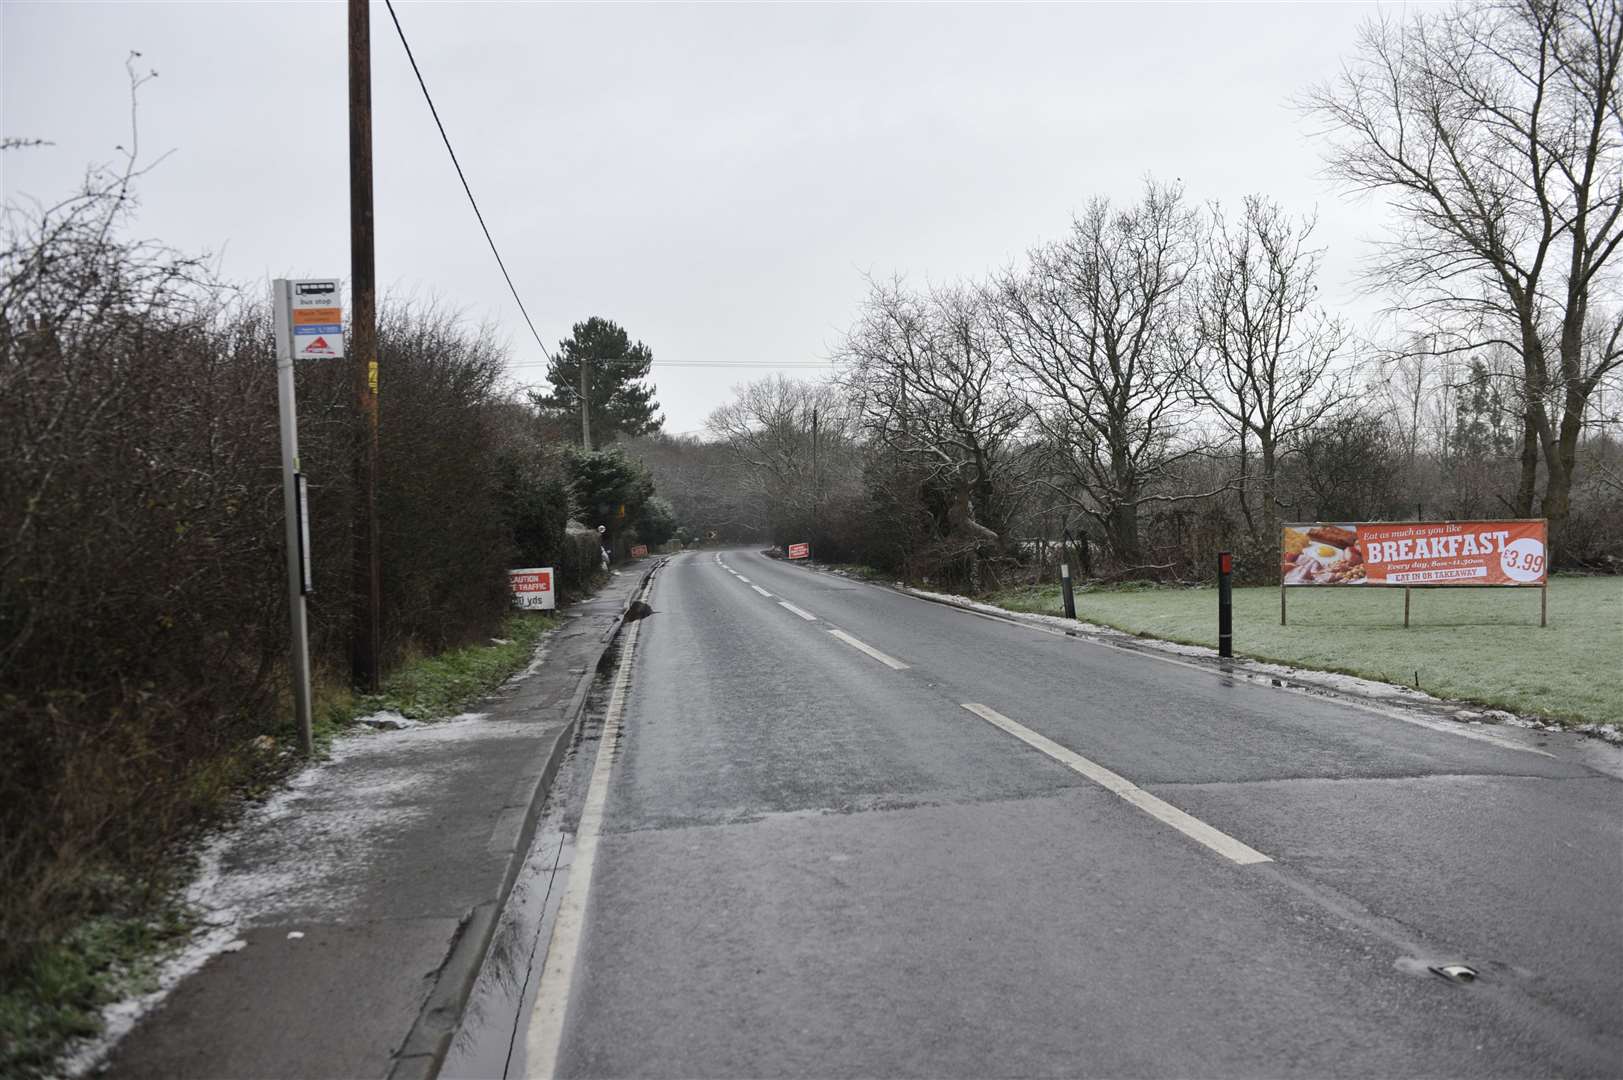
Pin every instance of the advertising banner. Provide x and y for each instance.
(1414, 553)
(532, 589)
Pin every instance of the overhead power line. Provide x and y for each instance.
(463, 177)
(596, 362)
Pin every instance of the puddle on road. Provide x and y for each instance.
(490, 1040)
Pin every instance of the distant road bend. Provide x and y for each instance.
(844, 832)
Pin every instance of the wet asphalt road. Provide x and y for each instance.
(815, 863)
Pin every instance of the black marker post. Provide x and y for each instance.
(1225, 605)
(1065, 576)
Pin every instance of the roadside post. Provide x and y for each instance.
(309, 325)
(1065, 577)
(1225, 605)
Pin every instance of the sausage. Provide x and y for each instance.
(1333, 535)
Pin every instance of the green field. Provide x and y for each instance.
(1481, 645)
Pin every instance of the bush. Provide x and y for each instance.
(143, 619)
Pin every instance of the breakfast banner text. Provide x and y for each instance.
(1414, 553)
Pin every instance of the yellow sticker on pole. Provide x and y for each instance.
(372, 376)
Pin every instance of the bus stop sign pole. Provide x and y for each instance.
(314, 341)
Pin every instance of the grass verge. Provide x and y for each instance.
(433, 687)
(59, 994)
(1478, 645)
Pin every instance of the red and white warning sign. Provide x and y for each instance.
(532, 588)
(800, 551)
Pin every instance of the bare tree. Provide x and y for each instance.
(929, 380)
(1497, 133)
(792, 439)
(1091, 324)
(1264, 351)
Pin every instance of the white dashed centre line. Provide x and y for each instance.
(762, 591)
(888, 661)
(742, 578)
(804, 614)
(1192, 827)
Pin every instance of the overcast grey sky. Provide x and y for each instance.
(716, 178)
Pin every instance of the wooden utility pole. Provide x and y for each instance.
(585, 403)
(817, 476)
(366, 584)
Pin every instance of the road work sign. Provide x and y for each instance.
(317, 317)
(800, 551)
(532, 589)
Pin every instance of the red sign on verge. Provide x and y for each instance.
(800, 551)
(532, 588)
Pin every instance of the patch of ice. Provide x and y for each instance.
(540, 657)
(387, 720)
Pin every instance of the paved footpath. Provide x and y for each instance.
(354, 906)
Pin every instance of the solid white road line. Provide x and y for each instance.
(762, 591)
(1192, 827)
(804, 614)
(888, 661)
(546, 1028)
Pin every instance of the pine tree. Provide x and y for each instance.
(621, 402)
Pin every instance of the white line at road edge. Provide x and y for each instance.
(545, 1035)
(1192, 827)
(804, 614)
(888, 661)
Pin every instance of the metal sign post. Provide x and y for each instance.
(1225, 605)
(309, 324)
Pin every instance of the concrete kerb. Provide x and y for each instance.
(424, 1049)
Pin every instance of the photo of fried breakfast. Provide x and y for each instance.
(1321, 555)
